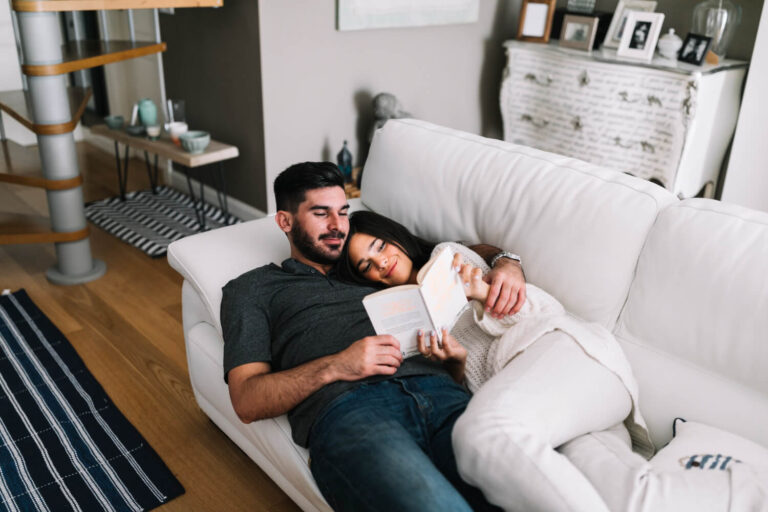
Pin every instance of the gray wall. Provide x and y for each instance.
(286, 86)
(212, 62)
(318, 82)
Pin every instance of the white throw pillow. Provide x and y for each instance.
(700, 447)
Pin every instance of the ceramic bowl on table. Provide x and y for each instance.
(114, 122)
(153, 132)
(175, 129)
(135, 130)
(195, 141)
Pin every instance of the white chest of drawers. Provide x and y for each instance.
(665, 121)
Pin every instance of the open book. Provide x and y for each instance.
(431, 305)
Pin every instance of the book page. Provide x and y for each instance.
(399, 312)
(442, 290)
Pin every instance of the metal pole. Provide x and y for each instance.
(131, 26)
(104, 27)
(167, 175)
(39, 33)
(17, 39)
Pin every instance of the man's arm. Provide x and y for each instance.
(507, 280)
(257, 394)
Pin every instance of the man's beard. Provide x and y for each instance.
(313, 250)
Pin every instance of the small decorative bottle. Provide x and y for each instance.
(147, 112)
(344, 160)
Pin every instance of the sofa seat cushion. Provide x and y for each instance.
(578, 227)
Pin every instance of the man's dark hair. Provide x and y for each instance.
(292, 184)
(384, 228)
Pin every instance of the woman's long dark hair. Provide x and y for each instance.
(379, 226)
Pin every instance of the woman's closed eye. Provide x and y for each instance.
(377, 245)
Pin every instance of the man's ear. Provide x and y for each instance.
(284, 220)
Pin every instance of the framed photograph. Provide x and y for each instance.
(536, 20)
(694, 49)
(578, 32)
(641, 33)
(616, 28)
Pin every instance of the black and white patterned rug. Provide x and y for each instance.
(63, 443)
(150, 222)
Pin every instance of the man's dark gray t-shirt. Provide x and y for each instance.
(292, 315)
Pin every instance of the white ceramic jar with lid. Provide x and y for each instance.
(669, 44)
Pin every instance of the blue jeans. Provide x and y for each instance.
(387, 446)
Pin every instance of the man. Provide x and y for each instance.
(298, 341)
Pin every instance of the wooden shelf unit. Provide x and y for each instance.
(106, 5)
(18, 105)
(77, 55)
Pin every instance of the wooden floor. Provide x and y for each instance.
(127, 328)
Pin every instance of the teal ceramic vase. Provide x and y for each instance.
(147, 112)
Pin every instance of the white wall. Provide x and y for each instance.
(317, 82)
(131, 80)
(10, 76)
(746, 180)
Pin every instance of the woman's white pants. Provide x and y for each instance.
(549, 394)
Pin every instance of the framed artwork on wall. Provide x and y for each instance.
(536, 20)
(641, 33)
(367, 14)
(578, 32)
(616, 28)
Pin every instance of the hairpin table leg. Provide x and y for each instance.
(122, 170)
(198, 205)
(151, 172)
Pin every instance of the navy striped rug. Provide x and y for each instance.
(150, 222)
(63, 443)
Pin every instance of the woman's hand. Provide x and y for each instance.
(472, 278)
(449, 352)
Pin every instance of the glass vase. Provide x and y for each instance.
(717, 19)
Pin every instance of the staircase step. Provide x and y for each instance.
(77, 55)
(18, 105)
(33, 229)
(105, 5)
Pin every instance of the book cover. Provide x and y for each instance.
(431, 305)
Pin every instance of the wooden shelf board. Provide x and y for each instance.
(103, 5)
(33, 229)
(77, 55)
(18, 105)
(215, 152)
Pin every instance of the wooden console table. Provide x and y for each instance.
(215, 153)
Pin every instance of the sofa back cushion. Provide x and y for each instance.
(578, 227)
(695, 325)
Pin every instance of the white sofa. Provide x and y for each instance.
(682, 284)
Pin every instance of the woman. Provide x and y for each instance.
(546, 377)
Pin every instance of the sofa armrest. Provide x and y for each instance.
(209, 260)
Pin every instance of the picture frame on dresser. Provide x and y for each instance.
(619, 20)
(641, 33)
(535, 22)
(578, 32)
(694, 49)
